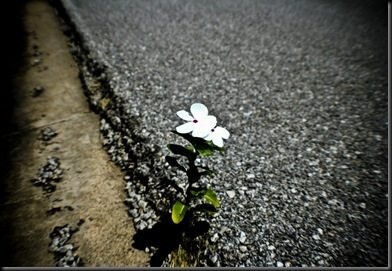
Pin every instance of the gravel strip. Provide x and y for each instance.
(47, 134)
(301, 86)
(49, 174)
(63, 250)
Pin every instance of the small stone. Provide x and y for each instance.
(242, 237)
(362, 205)
(142, 225)
(36, 61)
(271, 248)
(68, 247)
(147, 215)
(215, 237)
(287, 264)
(142, 204)
(37, 91)
(279, 264)
(250, 176)
(314, 163)
(250, 193)
(320, 231)
(214, 258)
(334, 149)
(243, 248)
(321, 262)
(134, 213)
(37, 53)
(230, 193)
(224, 229)
(316, 237)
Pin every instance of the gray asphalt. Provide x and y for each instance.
(301, 86)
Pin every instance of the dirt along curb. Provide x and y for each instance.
(79, 186)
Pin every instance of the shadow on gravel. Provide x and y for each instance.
(13, 47)
(166, 237)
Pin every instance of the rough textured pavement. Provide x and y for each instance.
(301, 86)
(51, 118)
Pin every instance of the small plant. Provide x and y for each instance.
(205, 138)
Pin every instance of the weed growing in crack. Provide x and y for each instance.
(205, 138)
(175, 238)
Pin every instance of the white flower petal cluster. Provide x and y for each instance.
(202, 125)
(217, 135)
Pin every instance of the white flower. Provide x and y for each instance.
(217, 135)
(200, 124)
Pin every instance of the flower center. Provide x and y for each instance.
(194, 121)
(212, 130)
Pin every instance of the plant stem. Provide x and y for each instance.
(193, 175)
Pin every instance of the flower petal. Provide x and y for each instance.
(222, 132)
(208, 121)
(204, 126)
(218, 141)
(209, 136)
(185, 128)
(199, 110)
(184, 115)
(200, 130)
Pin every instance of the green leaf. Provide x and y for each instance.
(178, 211)
(203, 147)
(198, 191)
(190, 147)
(206, 193)
(180, 150)
(211, 197)
(174, 163)
(204, 150)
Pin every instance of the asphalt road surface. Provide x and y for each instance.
(302, 88)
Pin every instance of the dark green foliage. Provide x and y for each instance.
(199, 147)
(203, 148)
